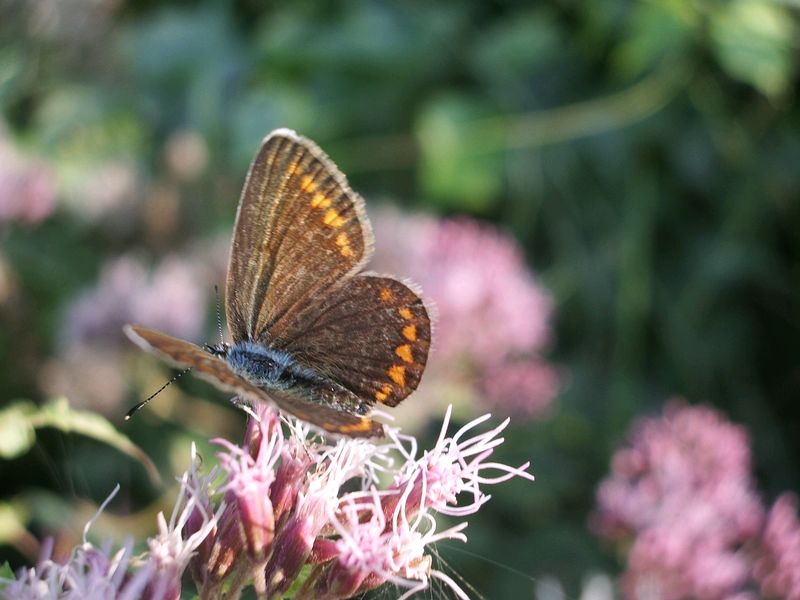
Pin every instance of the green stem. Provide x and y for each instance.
(237, 579)
(533, 129)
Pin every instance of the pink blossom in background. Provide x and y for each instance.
(109, 190)
(523, 387)
(492, 315)
(681, 499)
(172, 298)
(27, 188)
(778, 568)
(490, 307)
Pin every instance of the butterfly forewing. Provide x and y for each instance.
(371, 334)
(182, 354)
(298, 231)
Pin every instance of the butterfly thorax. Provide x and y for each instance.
(264, 366)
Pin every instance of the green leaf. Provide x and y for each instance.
(261, 111)
(12, 523)
(6, 571)
(753, 41)
(305, 571)
(12, 69)
(456, 170)
(16, 429)
(47, 509)
(58, 414)
(657, 30)
(18, 422)
(515, 48)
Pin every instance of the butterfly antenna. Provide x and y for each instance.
(141, 404)
(219, 315)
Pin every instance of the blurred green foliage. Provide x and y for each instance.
(646, 155)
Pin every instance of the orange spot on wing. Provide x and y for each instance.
(406, 313)
(344, 244)
(333, 219)
(320, 201)
(383, 393)
(386, 294)
(362, 425)
(307, 184)
(397, 373)
(410, 332)
(404, 352)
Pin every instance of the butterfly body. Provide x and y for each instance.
(264, 366)
(312, 333)
(275, 370)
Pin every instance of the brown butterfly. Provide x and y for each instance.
(311, 333)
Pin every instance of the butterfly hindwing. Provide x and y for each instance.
(299, 229)
(371, 334)
(325, 417)
(182, 354)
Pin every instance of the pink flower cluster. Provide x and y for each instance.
(27, 187)
(682, 503)
(171, 299)
(297, 512)
(286, 510)
(493, 315)
(88, 369)
(778, 567)
(94, 573)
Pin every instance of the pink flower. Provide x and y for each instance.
(248, 478)
(90, 574)
(384, 535)
(522, 387)
(454, 465)
(778, 568)
(96, 574)
(477, 276)
(334, 535)
(681, 496)
(171, 550)
(27, 188)
(170, 299)
(357, 540)
(375, 550)
(316, 497)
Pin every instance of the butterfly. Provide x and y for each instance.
(311, 333)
